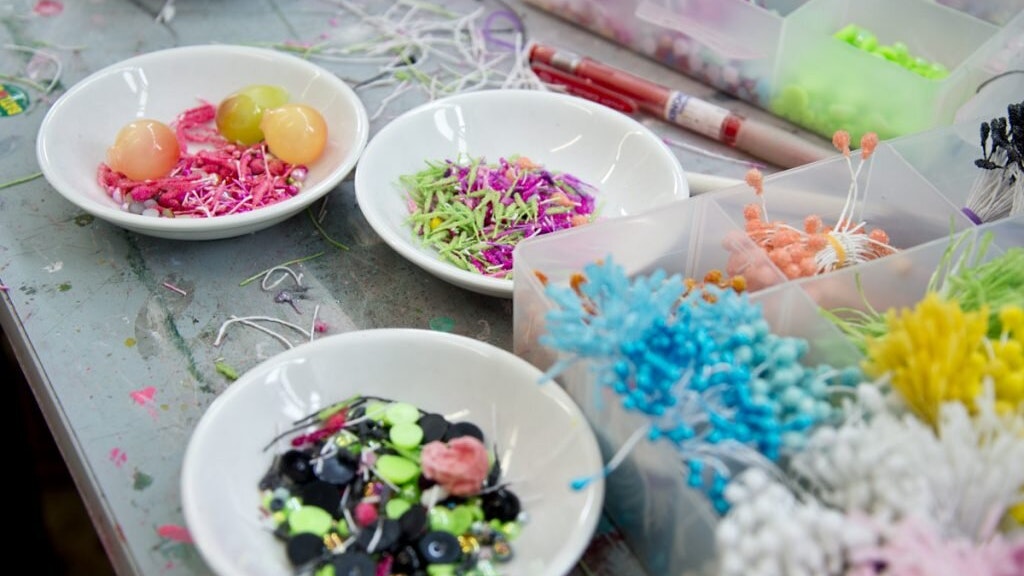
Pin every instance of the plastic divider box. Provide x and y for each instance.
(669, 525)
(781, 55)
(731, 45)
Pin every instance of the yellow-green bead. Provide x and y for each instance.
(511, 530)
(310, 519)
(396, 507)
(401, 413)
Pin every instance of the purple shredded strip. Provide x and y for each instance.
(493, 17)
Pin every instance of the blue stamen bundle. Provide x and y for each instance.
(702, 364)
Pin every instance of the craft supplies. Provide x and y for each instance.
(897, 52)
(885, 494)
(817, 248)
(976, 280)
(782, 55)
(998, 191)
(702, 365)
(144, 150)
(295, 133)
(240, 114)
(422, 51)
(762, 140)
(474, 213)
(375, 486)
(256, 147)
(217, 179)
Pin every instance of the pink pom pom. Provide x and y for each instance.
(460, 466)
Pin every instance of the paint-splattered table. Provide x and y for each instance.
(115, 331)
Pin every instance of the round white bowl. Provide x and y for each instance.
(543, 440)
(81, 125)
(631, 167)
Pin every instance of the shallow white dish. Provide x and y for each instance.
(543, 439)
(631, 167)
(81, 125)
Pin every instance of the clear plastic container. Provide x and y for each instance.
(690, 237)
(826, 84)
(781, 54)
(945, 156)
(728, 44)
(894, 196)
(995, 11)
(667, 524)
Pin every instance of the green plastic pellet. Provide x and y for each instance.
(462, 519)
(396, 469)
(441, 518)
(325, 570)
(310, 519)
(410, 492)
(848, 33)
(406, 435)
(401, 413)
(376, 410)
(396, 507)
(511, 530)
(441, 570)
(342, 529)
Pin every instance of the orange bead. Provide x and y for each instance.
(295, 133)
(144, 150)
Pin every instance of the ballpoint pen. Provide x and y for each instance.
(628, 93)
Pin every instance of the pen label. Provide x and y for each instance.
(696, 115)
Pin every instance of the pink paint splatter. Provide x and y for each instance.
(118, 457)
(175, 532)
(48, 7)
(144, 398)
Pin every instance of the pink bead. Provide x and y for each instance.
(365, 514)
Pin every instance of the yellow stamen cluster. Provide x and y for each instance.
(937, 352)
(931, 354)
(1006, 363)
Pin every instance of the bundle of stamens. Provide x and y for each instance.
(703, 366)
(973, 280)
(816, 248)
(936, 352)
(885, 494)
(998, 191)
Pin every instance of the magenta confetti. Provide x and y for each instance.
(175, 532)
(48, 8)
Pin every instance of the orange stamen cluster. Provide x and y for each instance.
(816, 248)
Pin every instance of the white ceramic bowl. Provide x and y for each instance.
(81, 125)
(543, 439)
(631, 167)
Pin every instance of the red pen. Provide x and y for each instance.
(590, 79)
(584, 88)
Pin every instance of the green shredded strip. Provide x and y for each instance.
(969, 279)
(323, 233)
(226, 370)
(21, 180)
(474, 213)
